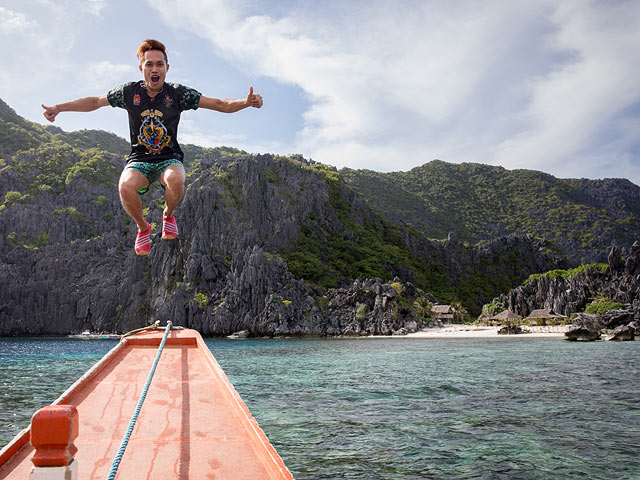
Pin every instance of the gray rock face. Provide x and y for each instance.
(587, 327)
(620, 282)
(222, 275)
(510, 330)
(588, 321)
(622, 333)
(617, 318)
(371, 307)
(218, 277)
(582, 334)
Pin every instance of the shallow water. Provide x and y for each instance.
(401, 408)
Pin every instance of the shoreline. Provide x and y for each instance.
(475, 331)
(447, 331)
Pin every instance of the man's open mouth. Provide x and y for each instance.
(155, 78)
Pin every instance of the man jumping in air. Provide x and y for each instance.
(154, 113)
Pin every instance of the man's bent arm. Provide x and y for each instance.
(231, 105)
(86, 104)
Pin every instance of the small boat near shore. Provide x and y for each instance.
(87, 335)
(192, 424)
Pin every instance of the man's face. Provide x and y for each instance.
(154, 69)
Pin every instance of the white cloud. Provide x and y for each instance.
(47, 50)
(72, 8)
(193, 132)
(574, 111)
(391, 86)
(104, 75)
(93, 6)
(30, 52)
(196, 133)
(14, 22)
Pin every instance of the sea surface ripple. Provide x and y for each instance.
(400, 408)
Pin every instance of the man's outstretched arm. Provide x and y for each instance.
(87, 104)
(231, 105)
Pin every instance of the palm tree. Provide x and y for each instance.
(460, 313)
(423, 307)
(493, 308)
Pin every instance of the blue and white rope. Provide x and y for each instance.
(134, 417)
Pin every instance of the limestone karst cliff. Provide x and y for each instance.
(68, 263)
(269, 244)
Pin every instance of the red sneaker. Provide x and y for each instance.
(169, 228)
(143, 242)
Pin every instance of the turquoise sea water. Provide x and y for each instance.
(401, 408)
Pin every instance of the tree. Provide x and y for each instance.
(423, 307)
(460, 313)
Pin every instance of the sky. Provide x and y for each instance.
(365, 84)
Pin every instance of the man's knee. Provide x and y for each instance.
(131, 181)
(173, 178)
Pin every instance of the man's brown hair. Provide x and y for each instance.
(151, 44)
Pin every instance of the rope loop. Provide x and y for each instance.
(143, 395)
(153, 326)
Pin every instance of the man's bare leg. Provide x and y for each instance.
(130, 182)
(173, 180)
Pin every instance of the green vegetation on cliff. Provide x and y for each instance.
(478, 202)
(602, 307)
(369, 248)
(16, 133)
(569, 273)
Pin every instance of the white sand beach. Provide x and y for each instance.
(478, 331)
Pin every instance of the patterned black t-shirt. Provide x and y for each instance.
(153, 124)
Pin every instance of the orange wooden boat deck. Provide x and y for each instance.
(193, 424)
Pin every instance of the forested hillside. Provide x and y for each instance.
(479, 202)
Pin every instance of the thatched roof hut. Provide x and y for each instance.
(543, 313)
(506, 315)
(443, 313)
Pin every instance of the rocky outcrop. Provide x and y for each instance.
(223, 274)
(585, 327)
(621, 334)
(616, 325)
(617, 318)
(241, 334)
(588, 321)
(582, 334)
(510, 329)
(372, 307)
(619, 282)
